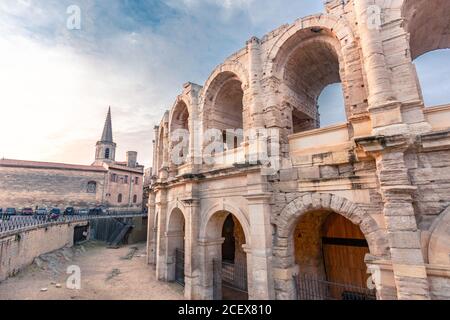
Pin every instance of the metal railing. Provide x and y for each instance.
(229, 275)
(309, 287)
(11, 224)
(179, 267)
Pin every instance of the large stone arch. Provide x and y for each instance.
(179, 103)
(224, 206)
(427, 27)
(439, 243)
(311, 54)
(308, 202)
(234, 67)
(284, 260)
(338, 26)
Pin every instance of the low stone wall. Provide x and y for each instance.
(18, 250)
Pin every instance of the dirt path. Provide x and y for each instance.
(106, 274)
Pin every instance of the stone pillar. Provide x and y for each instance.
(408, 263)
(255, 90)
(383, 279)
(384, 108)
(378, 77)
(173, 240)
(192, 266)
(161, 208)
(151, 230)
(261, 285)
(209, 250)
(403, 235)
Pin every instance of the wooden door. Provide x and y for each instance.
(344, 248)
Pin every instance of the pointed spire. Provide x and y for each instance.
(107, 130)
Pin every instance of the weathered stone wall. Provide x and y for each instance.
(31, 187)
(126, 187)
(19, 250)
(430, 172)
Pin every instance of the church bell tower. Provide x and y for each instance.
(106, 148)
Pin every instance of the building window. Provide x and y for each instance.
(136, 180)
(134, 198)
(107, 152)
(119, 198)
(126, 180)
(92, 187)
(113, 177)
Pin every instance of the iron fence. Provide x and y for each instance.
(10, 224)
(230, 275)
(310, 287)
(179, 267)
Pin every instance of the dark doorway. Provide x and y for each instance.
(229, 245)
(80, 234)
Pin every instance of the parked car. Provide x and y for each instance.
(11, 212)
(41, 211)
(27, 211)
(54, 214)
(95, 211)
(83, 212)
(70, 211)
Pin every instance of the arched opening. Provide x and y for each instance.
(331, 105)
(175, 247)
(429, 37)
(433, 71)
(161, 146)
(229, 259)
(309, 62)
(107, 153)
(179, 128)
(329, 251)
(119, 198)
(224, 109)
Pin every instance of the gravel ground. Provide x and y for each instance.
(106, 274)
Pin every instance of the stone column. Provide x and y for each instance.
(151, 230)
(403, 235)
(191, 265)
(261, 285)
(384, 108)
(155, 151)
(378, 77)
(161, 208)
(255, 90)
(408, 263)
(209, 250)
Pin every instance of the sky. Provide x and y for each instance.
(56, 84)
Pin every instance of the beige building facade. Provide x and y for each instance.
(114, 184)
(366, 198)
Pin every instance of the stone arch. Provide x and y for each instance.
(337, 25)
(306, 203)
(439, 243)
(284, 258)
(162, 143)
(175, 217)
(180, 106)
(239, 214)
(175, 240)
(212, 240)
(310, 55)
(233, 67)
(179, 128)
(425, 33)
